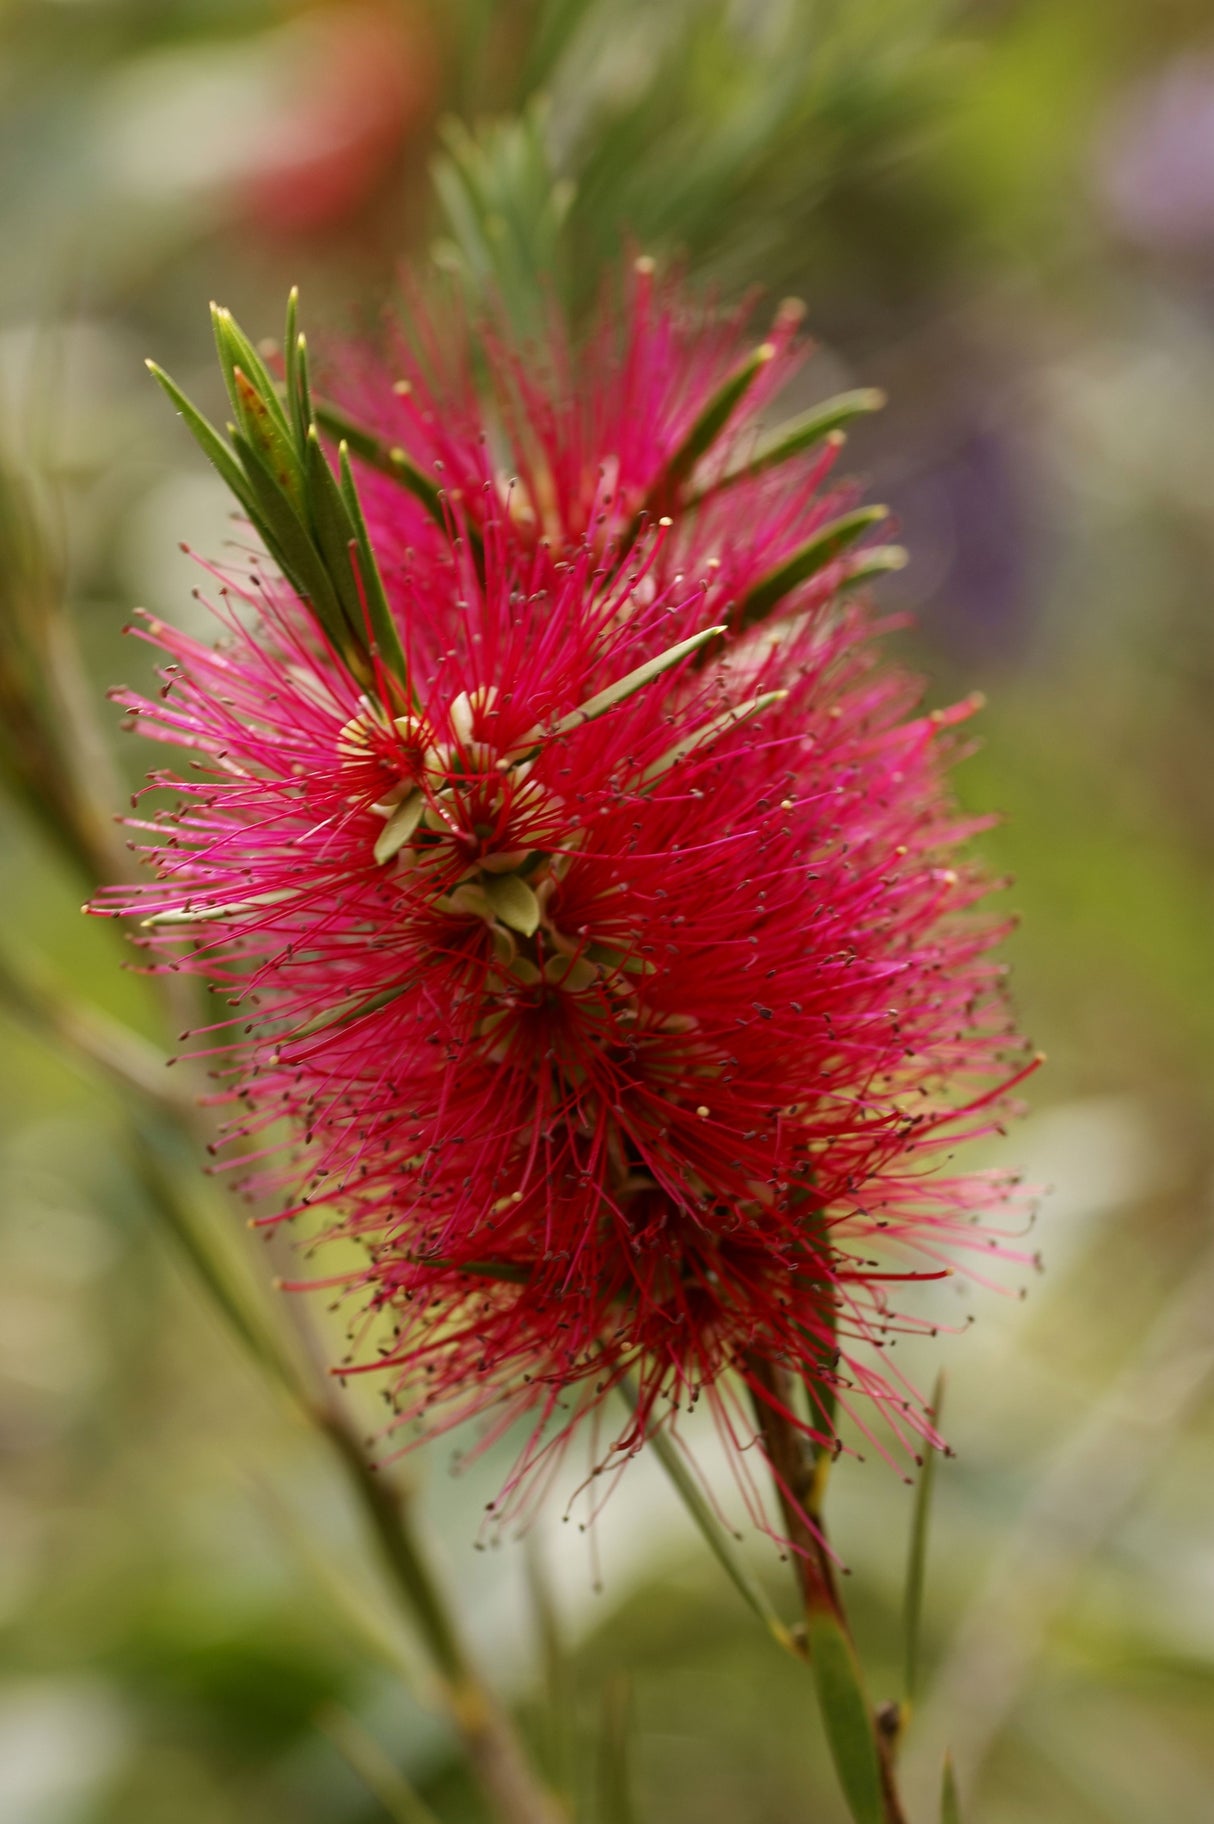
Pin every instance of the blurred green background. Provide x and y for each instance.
(1004, 214)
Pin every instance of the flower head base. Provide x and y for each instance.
(588, 889)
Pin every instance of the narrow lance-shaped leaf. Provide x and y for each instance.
(711, 422)
(272, 441)
(206, 436)
(798, 434)
(916, 1563)
(236, 351)
(387, 458)
(615, 1804)
(560, 1688)
(290, 545)
(814, 555)
(950, 1803)
(877, 560)
(633, 681)
(383, 625)
(846, 1716)
(705, 736)
(719, 1541)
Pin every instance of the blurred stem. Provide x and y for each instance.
(163, 1134)
(373, 1767)
(790, 1455)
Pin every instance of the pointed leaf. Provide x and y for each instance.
(399, 827)
(236, 351)
(290, 545)
(846, 1716)
(303, 389)
(274, 444)
(512, 902)
(378, 611)
(916, 1564)
(636, 680)
(711, 422)
(813, 556)
(950, 1803)
(376, 1769)
(877, 560)
(704, 737)
(801, 433)
(719, 1541)
(388, 459)
(205, 435)
(615, 1804)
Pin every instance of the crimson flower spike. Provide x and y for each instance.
(593, 904)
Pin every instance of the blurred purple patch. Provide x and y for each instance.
(1155, 158)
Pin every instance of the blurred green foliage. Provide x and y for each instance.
(977, 203)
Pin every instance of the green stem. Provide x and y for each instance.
(791, 1458)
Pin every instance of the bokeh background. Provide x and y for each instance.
(1001, 212)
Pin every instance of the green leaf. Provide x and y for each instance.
(846, 1716)
(331, 527)
(560, 1674)
(236, 351)
(512, 902)
(916, 1563)
(813, 556)
(950, 1803)
(801, 433)
(614, 1782)
(877, 560)
(272, 441)
(628, 686)
(710, 423)
(389, 460)
(705, 736)
(206, 436)
(378, 610)
(378, 1772)
(290, 545)
(719, 1541)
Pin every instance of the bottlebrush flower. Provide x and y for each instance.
(586, 884)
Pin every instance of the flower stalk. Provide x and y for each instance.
(862, 1749)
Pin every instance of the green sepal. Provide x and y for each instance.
(400, 827)
(801, 433)
(814, 555)
(846, 1715)
(950, 1802)
(512, 902)
(916, 1562)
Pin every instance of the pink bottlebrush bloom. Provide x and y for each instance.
(623, 1027)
